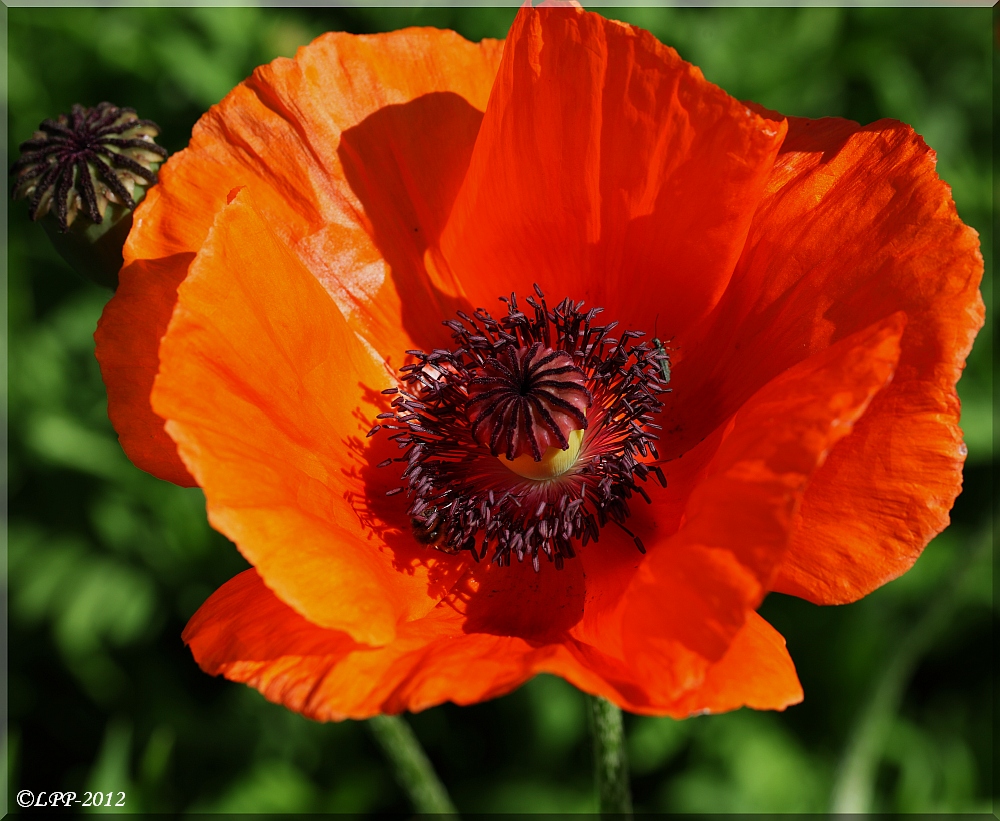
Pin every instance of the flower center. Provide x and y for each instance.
(529, 401)
(530, 435)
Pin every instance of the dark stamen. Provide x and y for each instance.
(518, 385)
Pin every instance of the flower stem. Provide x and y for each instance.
(610, 761)
(411, 767)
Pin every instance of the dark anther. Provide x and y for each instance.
(515, 385)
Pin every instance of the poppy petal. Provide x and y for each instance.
(899, 499)
(402, 108)
(268, 394)
(128, 349)
(585, 596)
(246, 633)
(756, 672)
(855, 225)
(692, 594)
(611, 563)
(613, 173)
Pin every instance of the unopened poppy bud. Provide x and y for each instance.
(82, 175)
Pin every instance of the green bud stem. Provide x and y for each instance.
(93, 250)
(610, 760)
(411, 767)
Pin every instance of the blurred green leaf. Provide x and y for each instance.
(156, 756)
(933, 774)
(110, 774)
(558, 712)
(62, 441)
(854, 789)
(654, 741)
(746, 762)
(272, 786)
(89, 600)
(516, 795)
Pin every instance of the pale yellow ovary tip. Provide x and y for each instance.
(555, 461)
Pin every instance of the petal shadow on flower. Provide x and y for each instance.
(276, 374)
(405, 163)
(276, 133)
(517, 601)
(146, 298)
(613, 173)
(384, 517)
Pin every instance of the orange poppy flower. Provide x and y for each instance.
(819, 294)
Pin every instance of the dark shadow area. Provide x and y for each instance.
(128, 345)
(406, 164)
(385, 517)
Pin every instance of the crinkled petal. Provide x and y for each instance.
(756, 672)
(854, 226)
(692, 594)
(248, 634)
(607, 169)
(611, 563)
(269, 394)
(354, 150)
(517, 601)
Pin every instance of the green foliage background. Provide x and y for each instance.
(107, 563)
